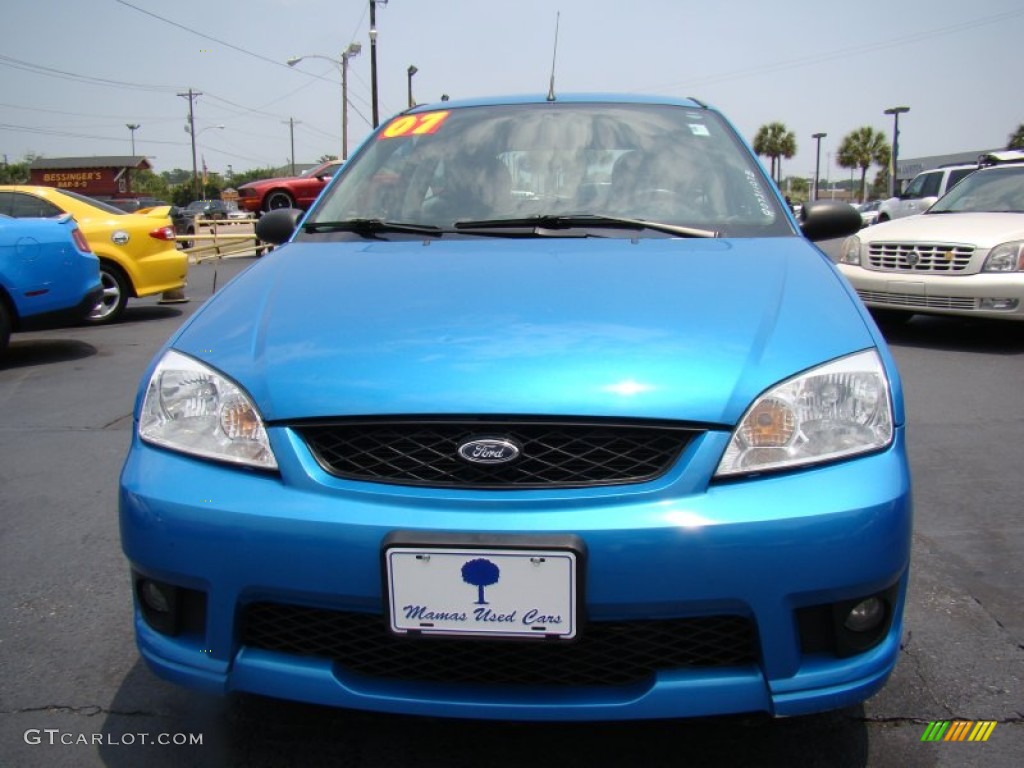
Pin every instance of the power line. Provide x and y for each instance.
(203, 35)
(246, 52)
(39, 69)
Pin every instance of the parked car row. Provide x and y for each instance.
(137, 252)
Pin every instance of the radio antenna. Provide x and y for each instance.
(554, 53)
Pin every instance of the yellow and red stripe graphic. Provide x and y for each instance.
(958, 730)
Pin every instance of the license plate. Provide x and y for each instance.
(482, 592)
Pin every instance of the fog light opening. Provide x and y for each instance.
(1000, 304)
(154, 596)
(865, 616)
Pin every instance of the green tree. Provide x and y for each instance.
(1016, 140)
(242, 177)
(775, 141)
(150, 184)
(16, 173)
(862, 147)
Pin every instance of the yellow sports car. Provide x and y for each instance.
(137, 251)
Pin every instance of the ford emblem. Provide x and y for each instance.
(489, 450)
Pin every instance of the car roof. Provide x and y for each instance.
(560, 98)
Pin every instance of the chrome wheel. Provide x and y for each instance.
(114, 298)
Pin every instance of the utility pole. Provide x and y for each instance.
(373, 58)
(192, 96)
(291, 130)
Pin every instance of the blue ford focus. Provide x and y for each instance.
(547, 409)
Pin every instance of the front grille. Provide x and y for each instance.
(605, 653)
(919, 257)
(910, 300)
(553, 454)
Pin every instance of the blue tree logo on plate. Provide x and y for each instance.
(480, 573)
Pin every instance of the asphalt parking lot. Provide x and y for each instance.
(75, 692)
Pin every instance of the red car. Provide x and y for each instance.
(286, 192)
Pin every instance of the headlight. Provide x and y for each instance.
(837, 410)
(849, 252)
(1005, 257)
(191, 408)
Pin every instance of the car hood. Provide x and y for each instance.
(275, 180)
(650, 328)
(983, 230)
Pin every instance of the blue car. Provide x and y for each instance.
(548, 409)
(48, 275)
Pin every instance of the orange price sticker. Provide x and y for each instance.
(414, 125)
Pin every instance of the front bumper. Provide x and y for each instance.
(768, 549)
(964, 295)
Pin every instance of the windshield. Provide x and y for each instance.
(996, 190)
(325, 169)
(674, 165)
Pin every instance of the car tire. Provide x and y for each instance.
(189, 243)
(116, 289)
(881, 219)
(5, 325)
(278, 199)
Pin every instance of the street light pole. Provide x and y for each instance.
(342, 63)
(410, 72)
(352, 50)
(895, 112)
(133, 127)
(817, 162)
(373, 58)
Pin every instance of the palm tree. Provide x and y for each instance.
(775, 141)
(1016, 140)
(862, 147)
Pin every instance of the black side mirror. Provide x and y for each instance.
(828, 219)
(278, 226)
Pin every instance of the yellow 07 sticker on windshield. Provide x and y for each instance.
(414, 125)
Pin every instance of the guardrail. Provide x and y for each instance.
(222, 238)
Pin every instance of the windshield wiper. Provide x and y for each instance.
(372, 227)
(581, 220)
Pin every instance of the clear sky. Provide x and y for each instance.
(74, 73)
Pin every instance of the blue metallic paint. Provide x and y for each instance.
(484, 326)
(43, 273)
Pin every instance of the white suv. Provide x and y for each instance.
(925, 189)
